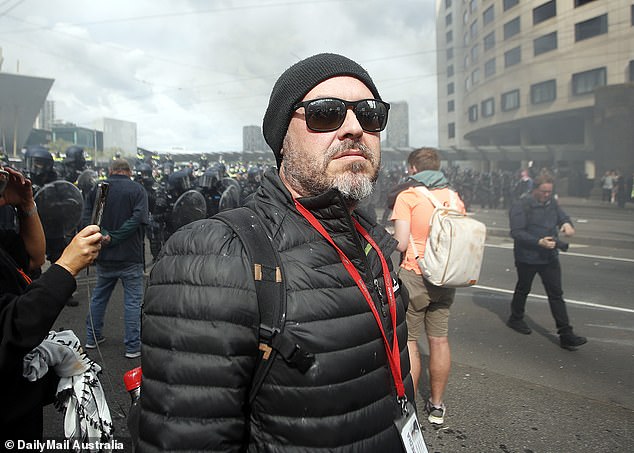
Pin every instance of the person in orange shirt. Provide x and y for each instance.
(429, 305)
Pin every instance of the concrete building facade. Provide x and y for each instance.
(253, 139)
(537, 80)
(119, 135)
(397, 132)
(46, 117)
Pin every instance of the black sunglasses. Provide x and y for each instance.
(328, 114)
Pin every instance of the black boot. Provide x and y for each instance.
(570, 341)
(519, 325)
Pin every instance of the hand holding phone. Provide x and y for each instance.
(100, 203)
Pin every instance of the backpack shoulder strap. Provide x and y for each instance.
(453, 198)
(271, 294)
(427, 193)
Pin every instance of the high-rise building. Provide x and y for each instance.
(538, 80)
(119, 135)
(397, 132)
(252, 139)
(46, 118)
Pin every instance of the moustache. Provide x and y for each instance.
(361, 149)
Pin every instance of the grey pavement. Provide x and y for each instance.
(487, 411)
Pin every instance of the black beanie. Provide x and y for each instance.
(293, 85)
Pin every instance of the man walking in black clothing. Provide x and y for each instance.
(536, 221)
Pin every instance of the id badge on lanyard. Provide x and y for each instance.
(410, 431)
(407, 424)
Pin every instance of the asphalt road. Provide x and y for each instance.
(507, 392)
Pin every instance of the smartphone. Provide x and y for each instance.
(100, 203)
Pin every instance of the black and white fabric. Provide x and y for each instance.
(79, 392)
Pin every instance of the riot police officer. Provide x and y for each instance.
(154, 231)
(38, 163)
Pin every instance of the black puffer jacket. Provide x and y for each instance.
(200, 339)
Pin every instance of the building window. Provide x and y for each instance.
(473, 113)
(631, 70)
(632, 14)
(451, 130)
(585, 82)
(465, 39)
(447, 4)
(449, 36)
(473, 6)
(449, 53)
(579, 3)
(512, 57)
(475, 76)
(591, 27)
(448, 19)
(474, 29)
(475, 53)
(450, 70)
(488, 16)
(510, 100)
(544, 91)
(511, 28)
(487, 107)
(489, 68)
(450, 106)
(466, 62)
(489, 41)
(545, 43)
(508, 4)
(544, 12)
(450, 88)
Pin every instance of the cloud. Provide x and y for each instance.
(192, 74)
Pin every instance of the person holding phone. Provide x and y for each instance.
(28, 308)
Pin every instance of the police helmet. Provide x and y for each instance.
(38, 160)
(75, 155)
(253, 174)
(209, 179)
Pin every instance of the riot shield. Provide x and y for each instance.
(87, 180)
(230, 198)
(189, 207)
(228, 182)
(59, 204)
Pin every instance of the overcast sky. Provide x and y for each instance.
(192, 73)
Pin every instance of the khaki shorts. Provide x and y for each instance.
(428, 306)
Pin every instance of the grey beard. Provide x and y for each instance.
(353, 184)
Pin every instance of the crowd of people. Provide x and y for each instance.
(345, 350)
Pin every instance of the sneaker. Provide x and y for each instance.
(435, 414)
(90, 345)
(519, 325)
(570, 341)
(132, 355)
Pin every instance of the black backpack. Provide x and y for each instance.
(271, 293)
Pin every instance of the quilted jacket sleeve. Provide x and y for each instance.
(199, 337)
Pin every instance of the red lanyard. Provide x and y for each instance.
(393, 353)
(26, 278)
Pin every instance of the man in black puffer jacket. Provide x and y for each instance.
(201, 318)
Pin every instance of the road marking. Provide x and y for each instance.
(568, 301)
(581, 255)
